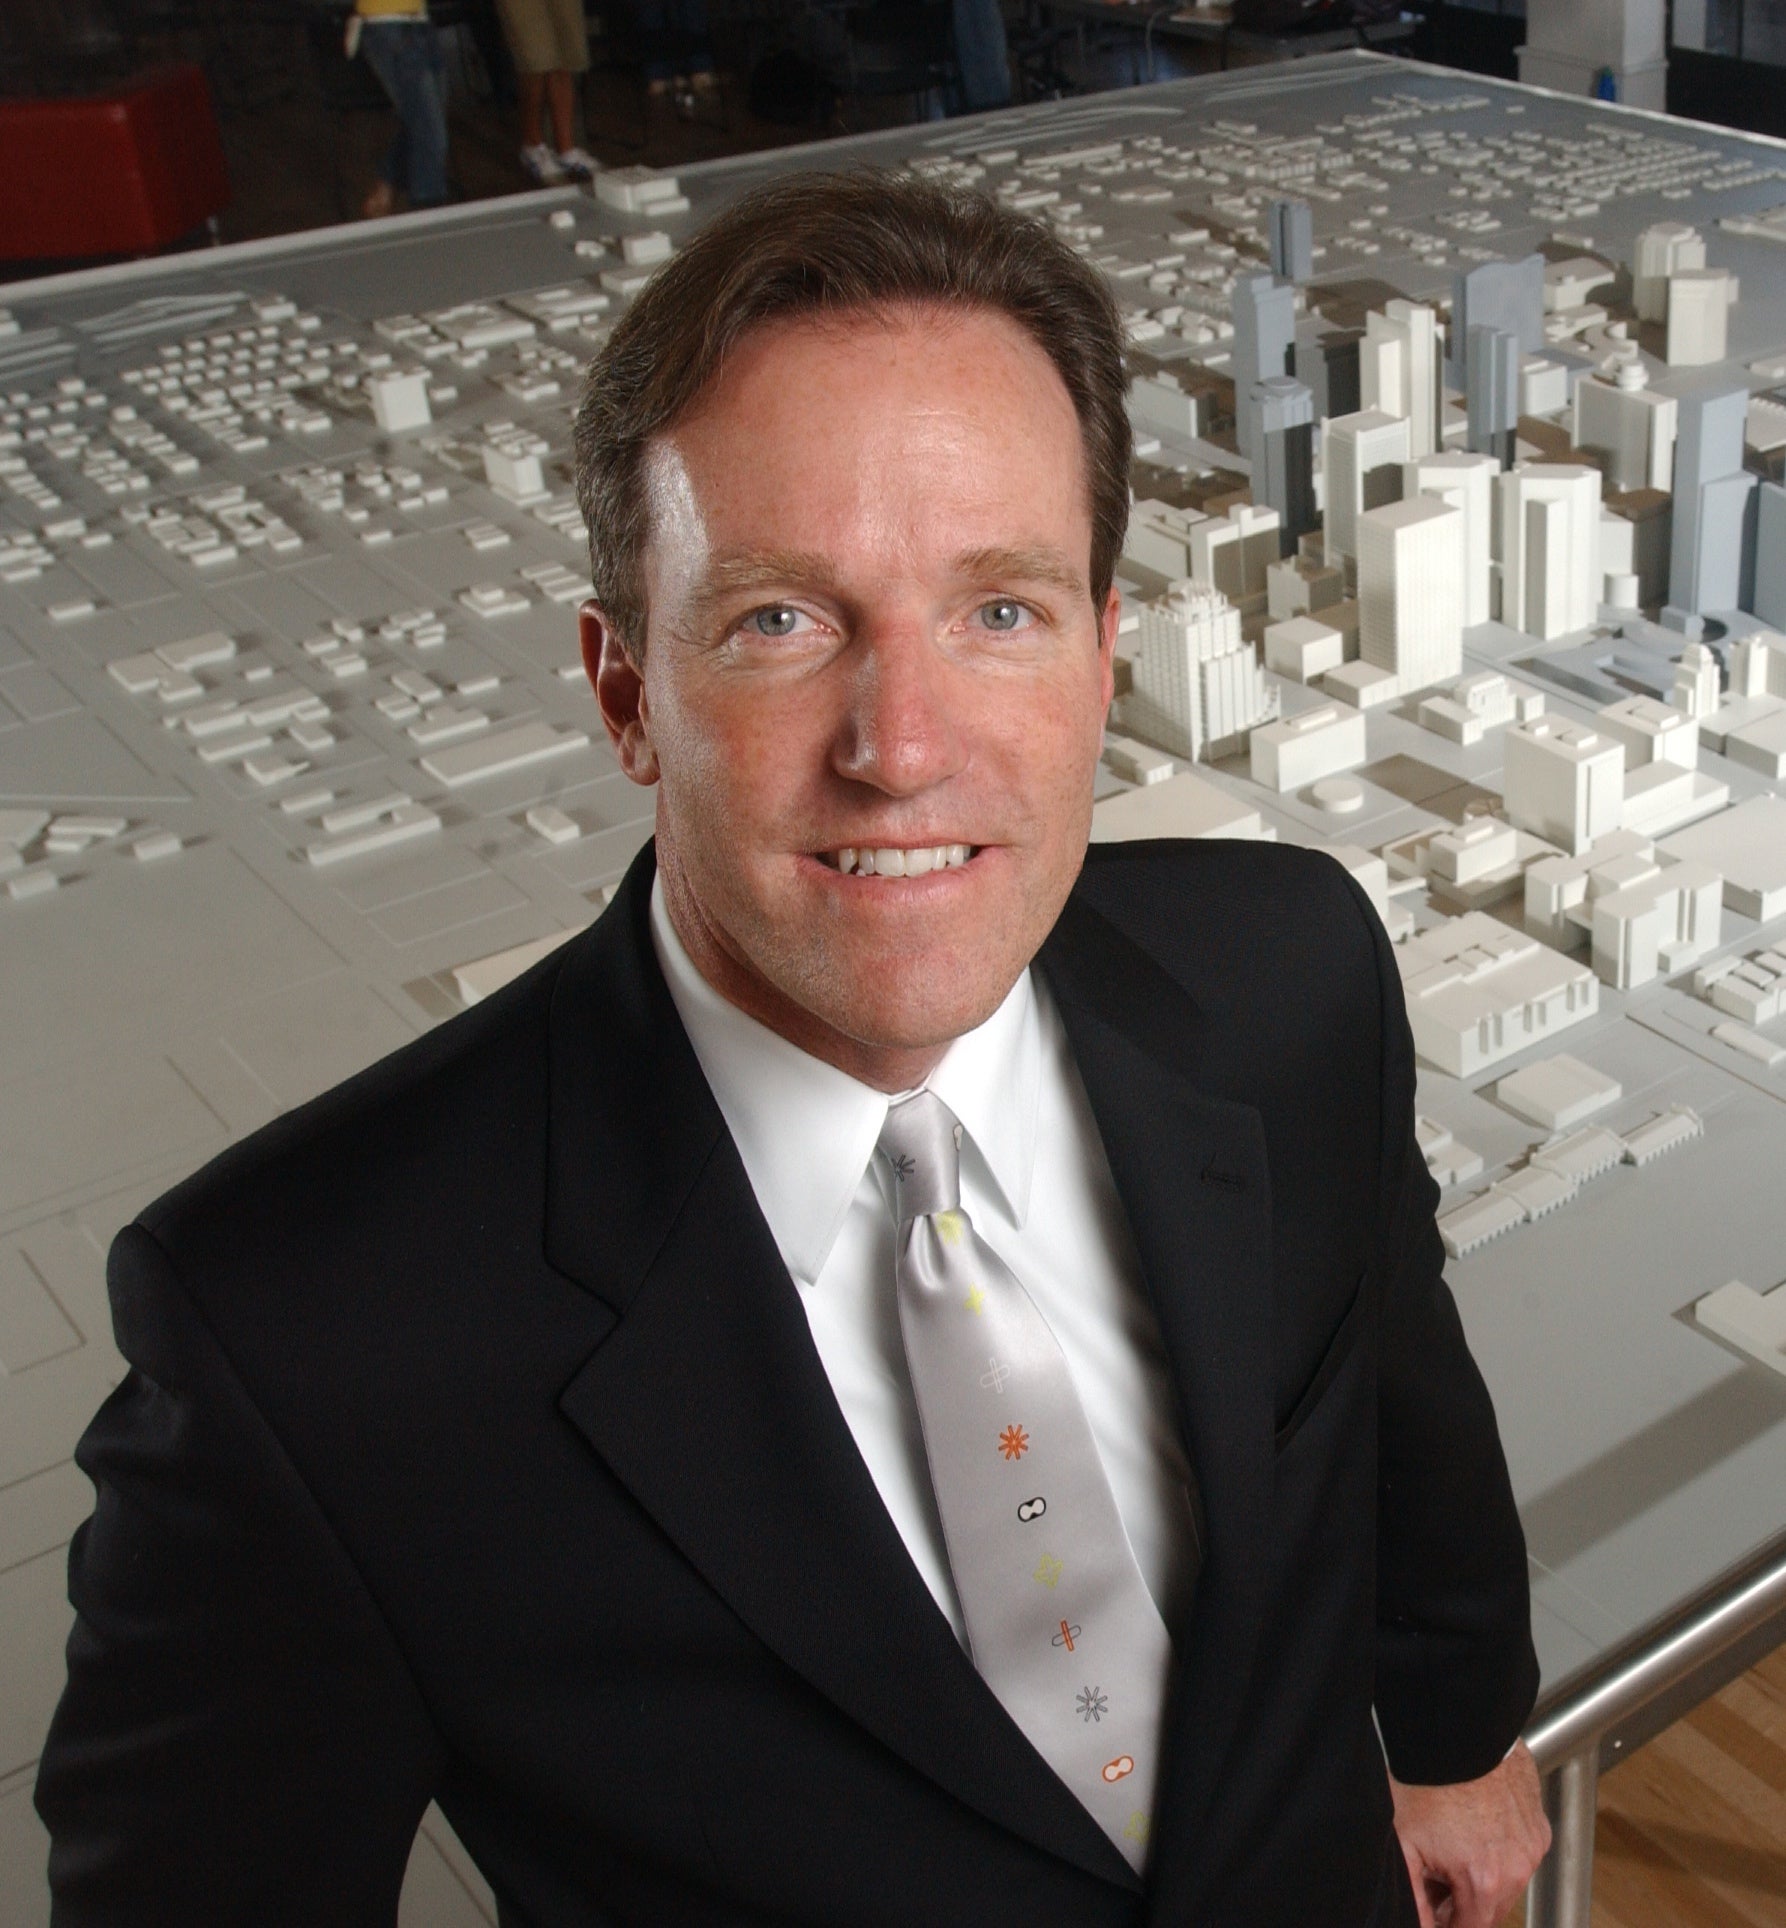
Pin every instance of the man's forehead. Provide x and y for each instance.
(780, 358)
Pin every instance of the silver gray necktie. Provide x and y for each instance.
(1059, 1621)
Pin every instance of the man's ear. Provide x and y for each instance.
(619, 686)
(1109, 618)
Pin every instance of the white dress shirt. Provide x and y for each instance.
(1037, 1186)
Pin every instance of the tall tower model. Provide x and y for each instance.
(1411, 590)
(1196, 683)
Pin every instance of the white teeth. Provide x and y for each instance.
(902, 863)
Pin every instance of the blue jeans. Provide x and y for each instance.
(406, 57)
(982, 55)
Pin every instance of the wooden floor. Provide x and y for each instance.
(1692, 1829)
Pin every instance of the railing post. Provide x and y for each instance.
(1561, 1894)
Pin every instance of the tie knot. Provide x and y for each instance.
(922, 1142)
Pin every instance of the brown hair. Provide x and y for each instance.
(827, 244)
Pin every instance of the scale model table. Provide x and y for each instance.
(297, 760)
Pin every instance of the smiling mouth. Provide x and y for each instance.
(896, 861)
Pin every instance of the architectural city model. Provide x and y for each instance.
(1458, 548)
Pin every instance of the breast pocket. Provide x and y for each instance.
(1339, 1349)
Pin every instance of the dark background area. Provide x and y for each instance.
(303, 127)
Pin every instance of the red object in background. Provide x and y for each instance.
(119, 173)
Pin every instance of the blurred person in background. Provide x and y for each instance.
(548, 41)
(678, 58)
(403, 50)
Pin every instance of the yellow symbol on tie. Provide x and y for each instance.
(949, 1227)
(1137, 1827)
(1048, 1570)
(975, 1300)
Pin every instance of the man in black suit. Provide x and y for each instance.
(523, 1425)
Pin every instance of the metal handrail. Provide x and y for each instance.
(1659, 1656)
(1646, 1681)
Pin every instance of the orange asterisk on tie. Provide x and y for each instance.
(1013, 1442)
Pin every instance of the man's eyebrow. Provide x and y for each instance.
(1025, 563)
(732, 571)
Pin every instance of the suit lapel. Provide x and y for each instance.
(708, 1400)
(1192, 1174)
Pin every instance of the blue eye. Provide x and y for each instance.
(778, 620)
(1003, 614)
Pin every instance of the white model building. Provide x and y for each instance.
(1751, 988)
(1563, 781)
(1232, 552)
(1618, 415)
(1746, 845)
(1749, 724)
(1755, 1322)
(1410, 591)
(1300, 750)
(1303, 647)
(1157, 402)
(1159, 537)
(1471, 853)
(1550, 573)
(1477, 992)
(1696, 682)
(1620, 584)
(1183, 805)
(1656, 924)
(1543, 386)
(1581, 47)
(1669, 248)
(1476, 704)
(1361, 465)
(1398, 369)
(1651, 732)
(1758, 665)
(1559, 1093)
(399, 399)
(1467, 482)
(1643, 914)
(1699, 304)
(1196, 685)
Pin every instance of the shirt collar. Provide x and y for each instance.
(805, 1131)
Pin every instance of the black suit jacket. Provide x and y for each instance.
(476, 1448)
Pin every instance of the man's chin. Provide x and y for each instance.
(892, 1014)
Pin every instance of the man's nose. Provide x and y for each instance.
(902, 729)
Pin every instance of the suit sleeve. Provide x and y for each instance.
(239, 1740)
(1456, 1671)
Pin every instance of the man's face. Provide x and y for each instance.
(870, 630)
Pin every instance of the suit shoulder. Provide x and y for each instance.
(449, 1097)
(1232, 904)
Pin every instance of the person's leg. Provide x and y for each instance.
(562, 94)
(696, 54)
(571, 36)
(376, 43)
(425, 129)
(982, 54)
(527, 26)
(532, 91)
(654, 42)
